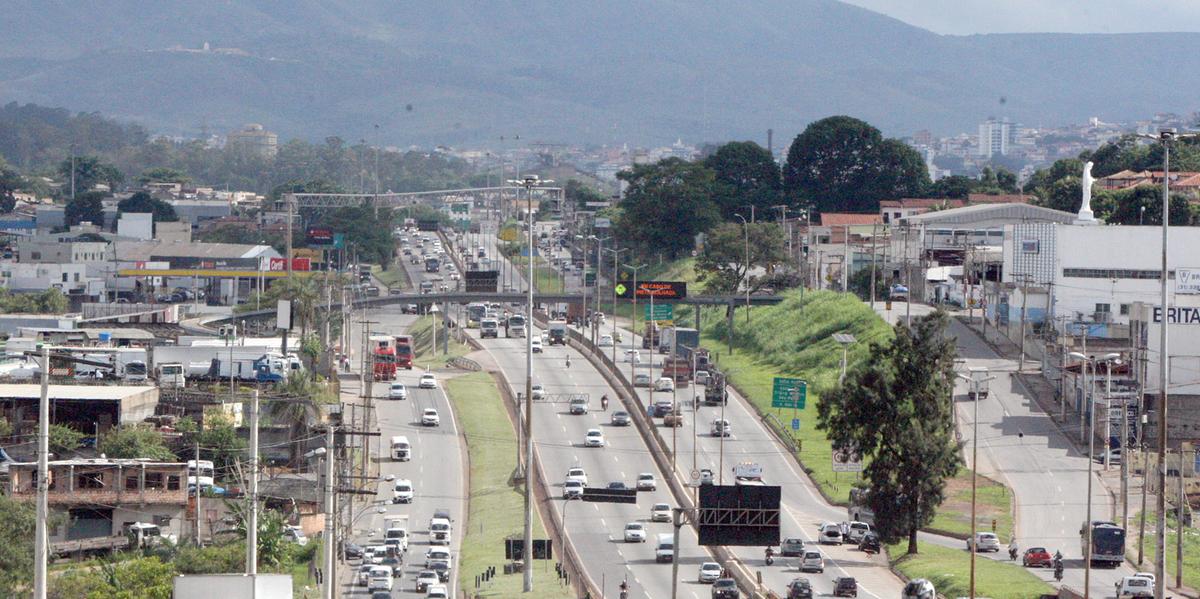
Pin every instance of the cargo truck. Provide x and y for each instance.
(246, 363)
(404, 351)
(672, 340)
(558, 332)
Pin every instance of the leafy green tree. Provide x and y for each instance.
(134, 441)
(143, 202)
(579, 193)
(666, 205)
(304, 398)
(137, 578)
(745, 174)
(18, 522)
(842, 164)
(1125, 207)
(64, 439)
(272, 547)
(86, 207)
(956, 187)
(219, 441)
(897, 408)
(10, 182)
(721, 263)
(1043, 180)
(163, 174)
(860, 283)
(89, 171)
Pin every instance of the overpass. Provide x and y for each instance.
(458, 297)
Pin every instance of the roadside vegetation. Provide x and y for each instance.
(1191, 549)
(496, 505)
(949, 571)
(425, 355)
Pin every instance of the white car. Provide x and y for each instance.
(295, 535)
(436, 554)
(709, 572)
(538, 392)
(536, 345)
(646, 482)
(430, 417)
(633, 355)
(605, 341)
(402, 492)
(572, 489)
(437, 592)
(426, 579)
(594, 438)
(428, 381)
(984, 541)
(364, 571)
(857, 530)
(454, 276)
(635, 532)
(721, 428)
(812, 561)
(664, 384)
(660, 512)
(830, 534)
(576, 473)
(1138, 585)
(641, 380)
(397, 391)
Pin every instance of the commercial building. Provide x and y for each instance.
(100, 497)
(995, 137)
(254, 139)
(90, 409)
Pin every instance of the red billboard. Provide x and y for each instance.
(278, 264)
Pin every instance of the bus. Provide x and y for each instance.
(475, 313)
(1108, 543)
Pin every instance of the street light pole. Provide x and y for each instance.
(633, 333)
(616, 253)
(746, 263)
(974, 382)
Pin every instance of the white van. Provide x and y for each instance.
(664, 549)
(379, 578)
(401, 450)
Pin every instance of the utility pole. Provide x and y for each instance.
(41, 542)
(907, 278)
(874, 234)
(1160, 555)
(252, 495)
(331, 543)
(197, 491)
(616, 253)
(1024, 301)
(290, 203)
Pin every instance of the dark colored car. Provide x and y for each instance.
(799, 588)
(869, 542)
(725, 588)
(791, 547)
(352, 551)
(1037, 557)
(662, 408)
(442, 569)
(620, 418)
(618, 485)
(845, 586)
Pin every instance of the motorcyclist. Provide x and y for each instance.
(770, 553)
(624, 589)
(604, 402)
(1012, 549)
(568, 361)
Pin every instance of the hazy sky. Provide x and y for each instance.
(962, 17)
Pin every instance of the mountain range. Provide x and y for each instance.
(644, 72)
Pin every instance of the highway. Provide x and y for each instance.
(804, 509)
(1021, 446)
(436, 468)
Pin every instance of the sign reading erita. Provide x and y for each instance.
(1179, 315)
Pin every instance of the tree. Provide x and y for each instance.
(220, 442)
(162, 174)
(64, 439)
(134, 442)
(721, 263)
(666, 205)
(86, 207)
(143, 202)
(578, 193)
(1065, 194)
(89, 171)
(745, 173)
(897, 409)
(1125, 207)
(18, 523)
(137, 578)
(956, 187)
(842, 164)
(304, 398)
(10, 182)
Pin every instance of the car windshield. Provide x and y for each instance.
(661, 506)
(633, 527)
(723, 583)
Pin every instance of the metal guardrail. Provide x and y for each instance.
(783, 435)
(466, 364)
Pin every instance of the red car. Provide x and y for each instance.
(1037, 557)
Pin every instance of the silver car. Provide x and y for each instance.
(984, 541)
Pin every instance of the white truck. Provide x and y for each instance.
(748, 474)
(247, 363)
(170, 374)
(516, 326)
(489, 327)
(396, 532)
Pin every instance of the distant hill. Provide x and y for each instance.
(645, 71)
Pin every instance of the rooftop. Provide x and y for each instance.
(842, 219)
(105, 462)
(996, 212)
(145, 250)
(86, 392)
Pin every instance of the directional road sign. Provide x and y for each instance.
(661, 312)
(789, 393)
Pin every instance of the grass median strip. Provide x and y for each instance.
(949, 571)
(496, 507)
(993, 503)
(426, 357)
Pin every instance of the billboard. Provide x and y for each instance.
(744, 515)
(659, 290)
(318, 236)
(427, 225)
(279, 264)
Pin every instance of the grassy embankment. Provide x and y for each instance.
(496, 505)
(425, 358)
(949, 571)
(395, 277)
(1191, 549)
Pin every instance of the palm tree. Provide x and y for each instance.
(299, 405)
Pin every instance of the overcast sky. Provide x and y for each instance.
(963, 17)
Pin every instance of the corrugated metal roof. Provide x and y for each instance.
(85, 392)
(144, 250)
(982, 212)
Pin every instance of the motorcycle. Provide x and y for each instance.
(1058, 570)
(1012, 553)
(770, 556)
(604, 403)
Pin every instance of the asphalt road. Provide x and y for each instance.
(1021, 446)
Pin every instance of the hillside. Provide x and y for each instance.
(642, 72)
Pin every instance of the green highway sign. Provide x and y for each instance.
(661, 312)
(789, 393)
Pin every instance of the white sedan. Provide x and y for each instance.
(538, 392)
(430, 417)
(605, 341)
(664, 384)
(646, 482)
(577, 473)
(536, 345)
(397, 391)
(428, 381)
(633, 355)
(709, 572)
(595, 438)
(635, 532)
